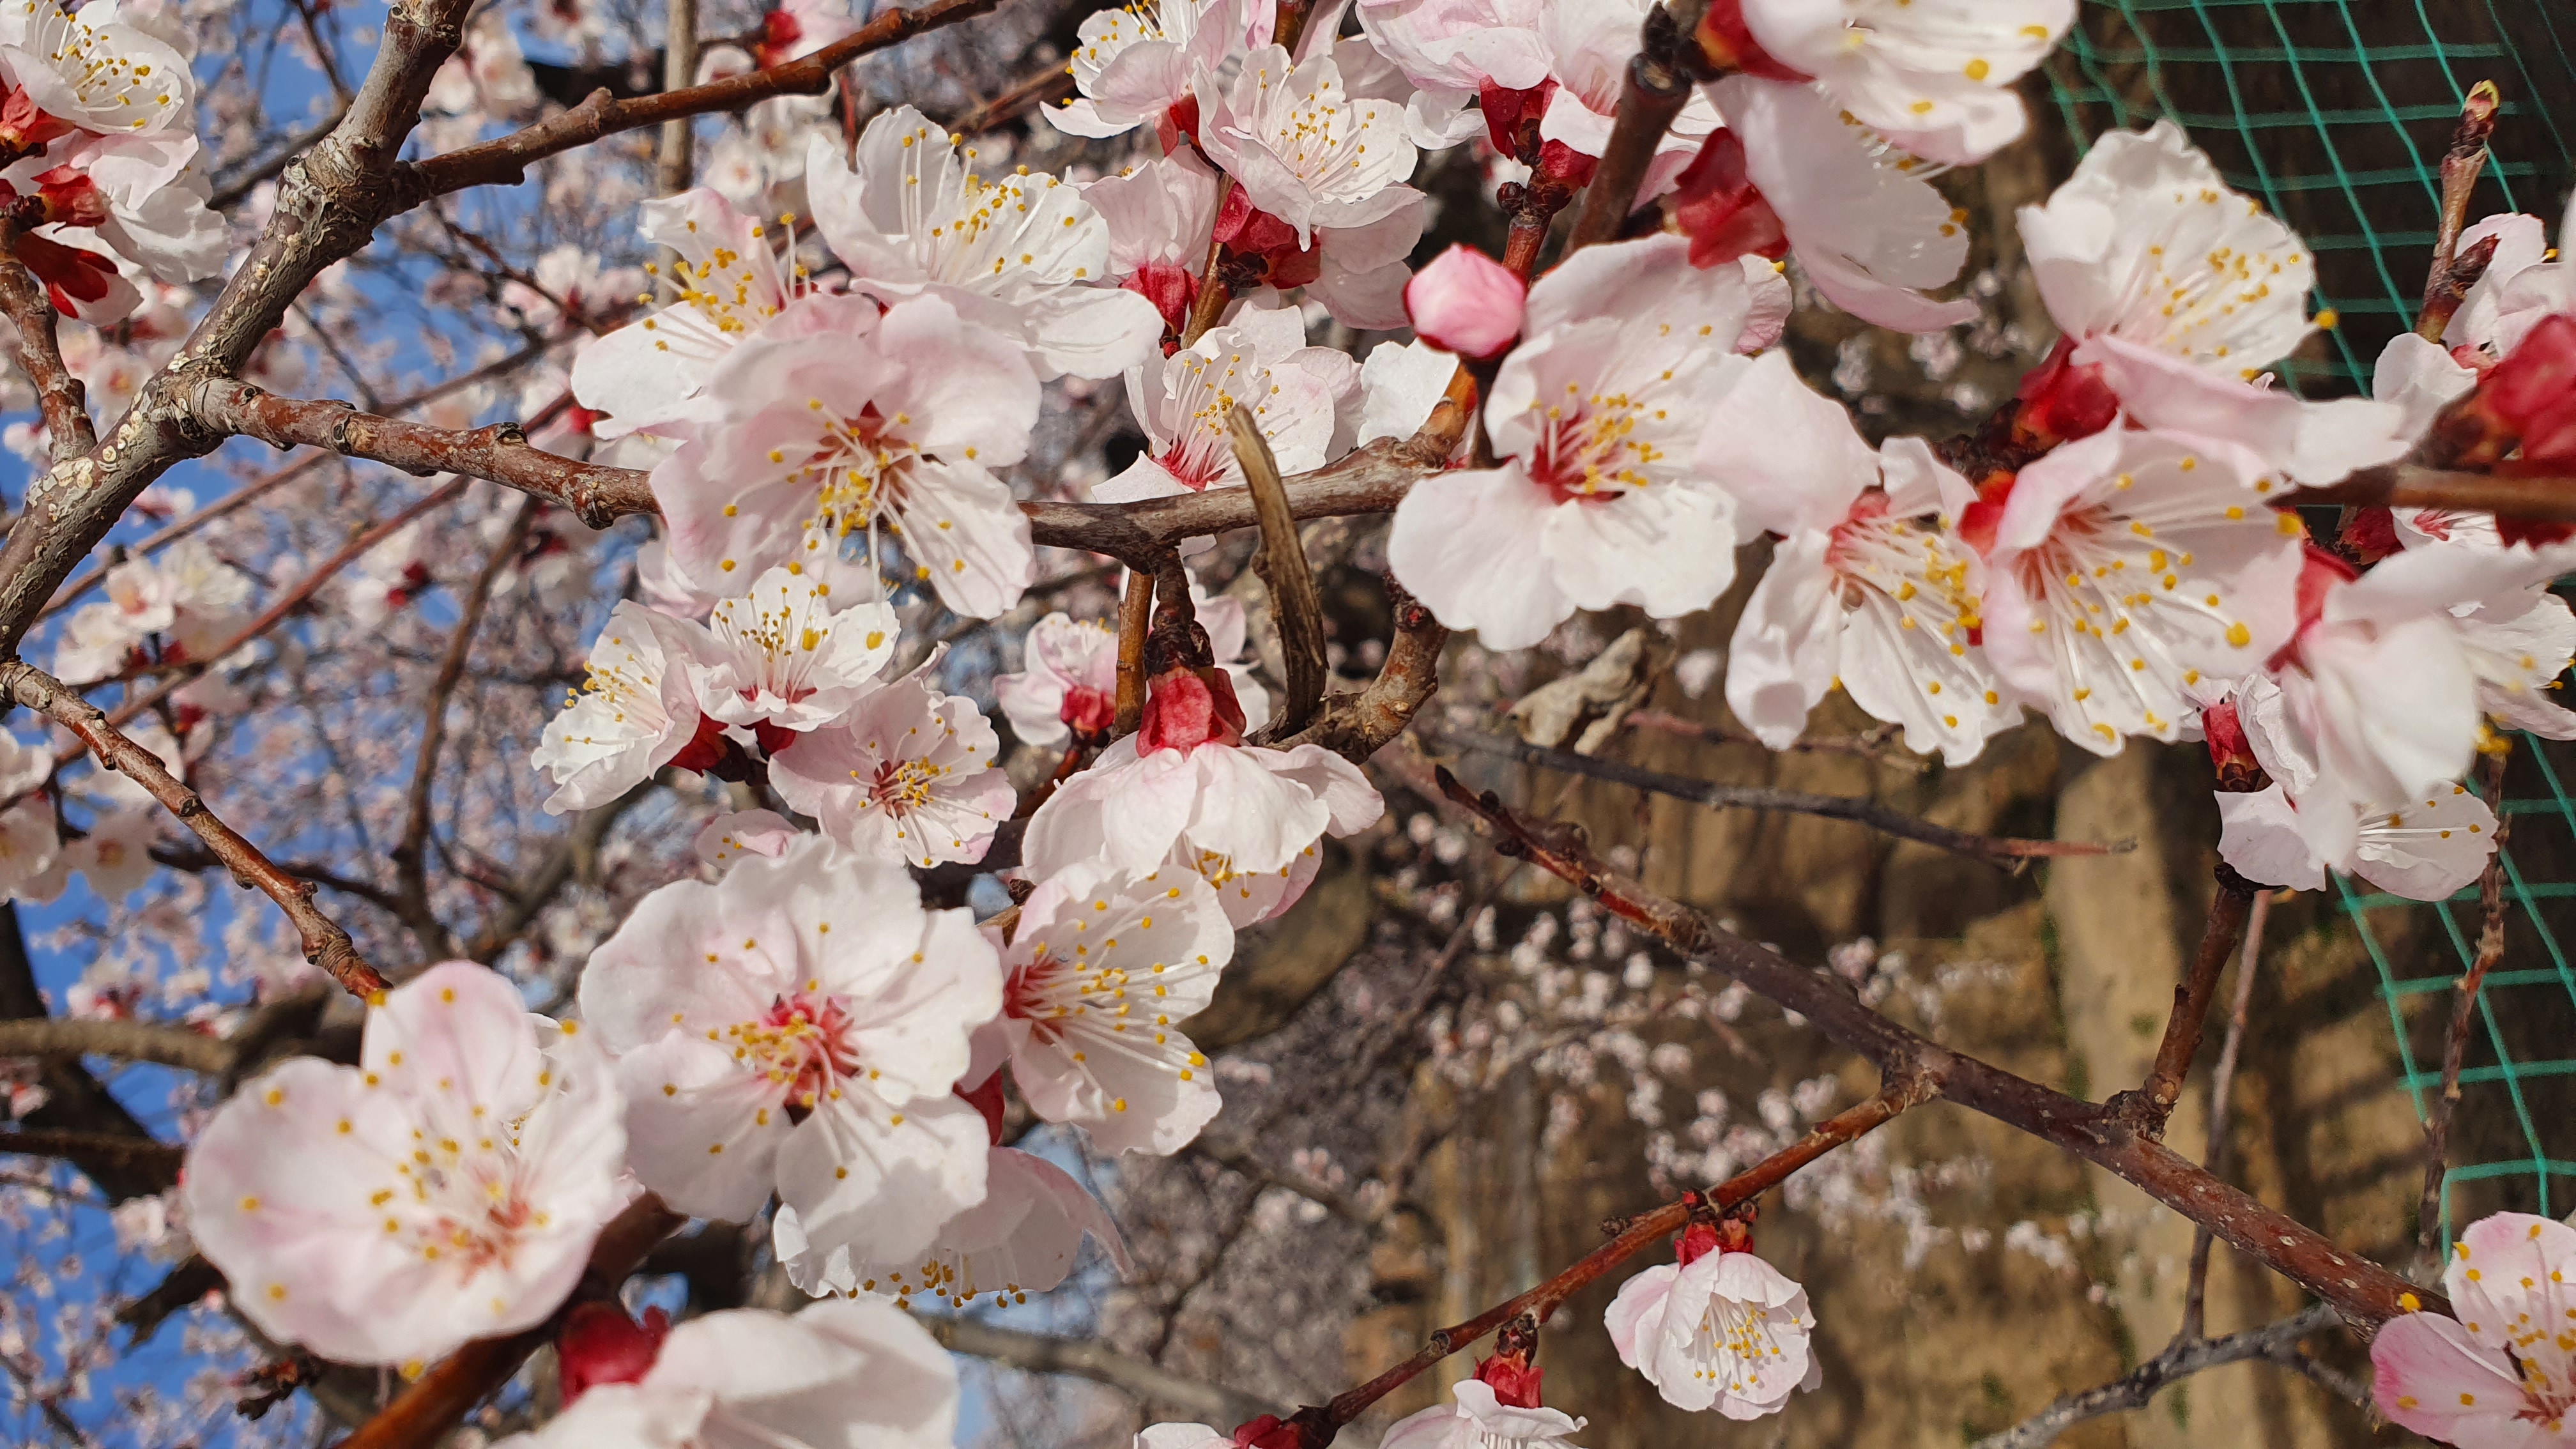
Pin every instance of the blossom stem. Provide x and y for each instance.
(326, 945)
(2455, 1047)
(2444, 286)
(2148, 1107)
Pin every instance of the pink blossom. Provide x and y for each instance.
(447, 1187)
(1150, 794)
(832, 1376)
(1597, 414)
(1478, 1419)
(1260, 359)
(1302, 148)
(1135, 65)
(833, 428)
(1725, 1331)
(2503, 1373)
(782, 656)
(1466, 302)
(1022, 255)
(730, 836)
(1868, 586)
(2423, 850)
(726, 286)
(94, 71)
(796, 1027)
(635, 712)
(1934, 76)
(1023, 1238)
(907, 775)
(1070, 683)
(2128, 567)
(1098, 970)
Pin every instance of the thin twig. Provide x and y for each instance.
(1135, 619)
(139, 1153)
(2222, 1081)
(1041, 1353)
(2276, 1343)
(2444, 289)
(1651, 94)
(2455, 1047)
(2006, 851)
(679, 67)
(504, 162)
(410, 854)
(60, 397)
(1869, 745)
(2152, 1103)
(1282, 566)
(325, 944)
(2546, 496)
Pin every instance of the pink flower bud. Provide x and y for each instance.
(1467, 303)
(1513, 1379)
(1088, 712)
(2239, 772)
(1186, 710)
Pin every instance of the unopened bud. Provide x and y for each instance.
(1467, 303)
(601, 1345)
(2239, 772)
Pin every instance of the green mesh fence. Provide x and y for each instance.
(2335, 114)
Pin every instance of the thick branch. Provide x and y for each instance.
(2366, 1293)
(505, 162)
(438, 1399)
(1357, 726)
(1040, 1353)
(125, 1041)
(325, 944)
(134, 1154)
(2546, 497)
(2275, 1343)
(2006, 851)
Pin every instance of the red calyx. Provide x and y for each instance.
(24, 128)
(1728, 44)
(1170, 287)
(2239, 773)
(2061, 401)
(987, 1099)
(1186, 708)
(1088, 712)
(773, 737)
(1269, 1432)
(2531, 397)
(1718, 207)
(1978, 521)
(1178, 124)
(2319, 573)
(2369, 534)
(71, 276)
(779, 32)
(599, 1344)
(705, 750)
(1513, 1378)
(1248, 232)
(1512, 117)
(1561, 163)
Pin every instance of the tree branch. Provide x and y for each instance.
(2366, 1293)
(1357, 726)
(2222, 1081)
(1654, 90)
(2275, 1343)
(2545, 497)
(2455, 1047)
(505, 162)
(325, 944)
(411, 853)
(2149, 1105)
(1086, 1358)
(135, 1154)
(2006, 851)
(60, 397)
(127, 1041)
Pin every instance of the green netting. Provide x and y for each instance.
(2336, 114)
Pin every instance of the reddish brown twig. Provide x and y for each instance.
(439, 1398)
(1283, 569)
(2444, 287)
(1868, 745)
(2006, 851)
(2365, 1292)
(2546, 497)
(500, 452)
(2149, 1105)
(2222, 1081)
(139, 1153)
(505, 161)
(2276, 1343)
(1319, 1423)
(2455, 1047)
(325, 944)
(411, 853)
(1135, 619)
(1657, 84)
(1357, 726)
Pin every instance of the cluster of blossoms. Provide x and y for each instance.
(795, 1034)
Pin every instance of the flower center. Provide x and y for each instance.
(904, 786)
(800, 1044)
(1589, 447)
